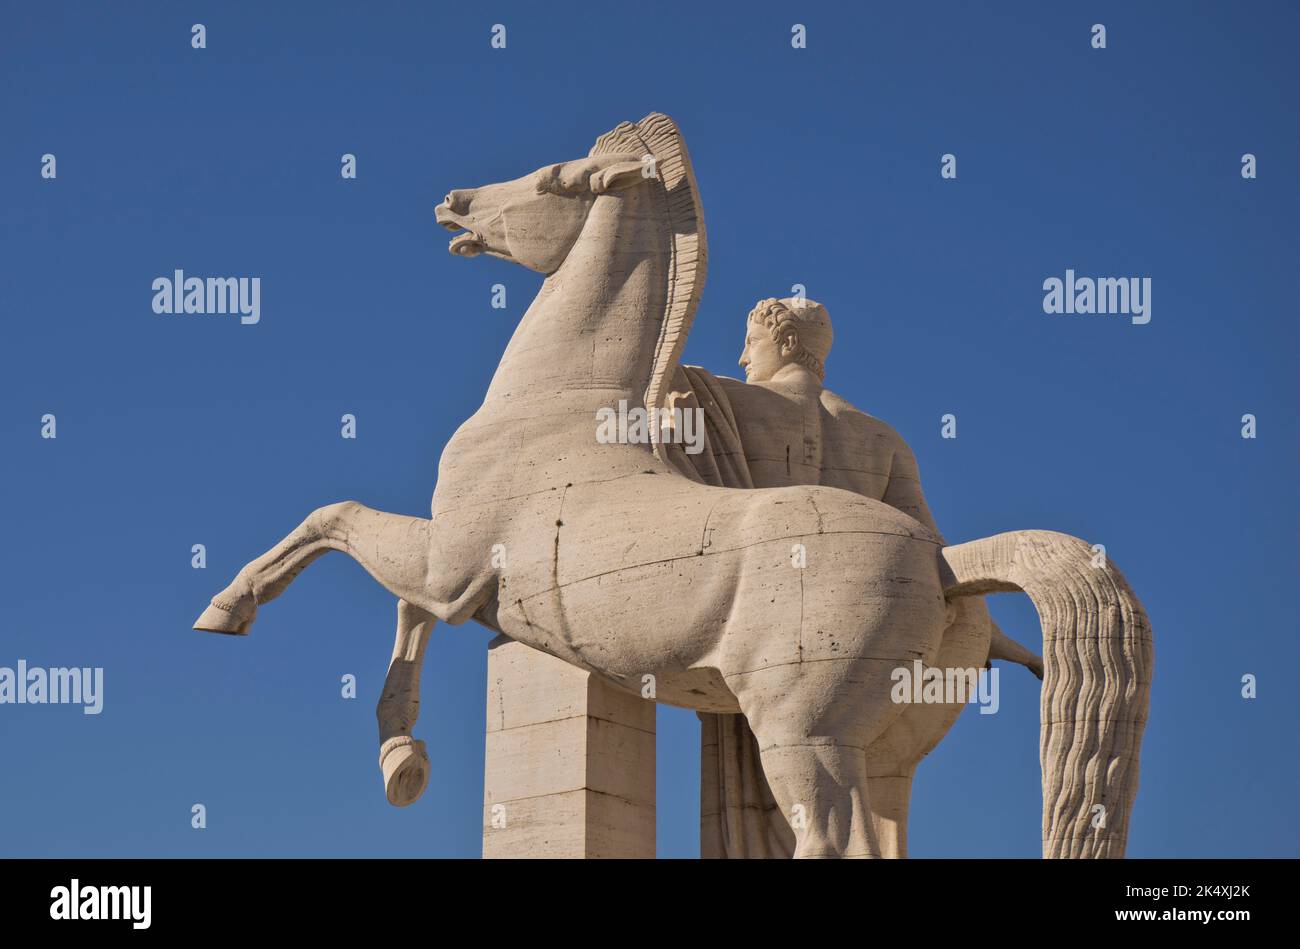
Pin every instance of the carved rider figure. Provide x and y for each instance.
(793, 430)
(830, 442)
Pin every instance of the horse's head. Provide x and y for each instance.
(628, 219)
(535, 220)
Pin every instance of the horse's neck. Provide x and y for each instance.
(588, 339)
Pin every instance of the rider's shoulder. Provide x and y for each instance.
(846, 413)
(687, 374)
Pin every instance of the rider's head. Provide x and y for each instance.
(780, 333)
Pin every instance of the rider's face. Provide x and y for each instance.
(762, 357)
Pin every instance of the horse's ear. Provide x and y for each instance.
(623, 174)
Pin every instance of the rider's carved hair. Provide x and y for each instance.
(810, 322)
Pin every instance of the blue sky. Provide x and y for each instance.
(817, 166)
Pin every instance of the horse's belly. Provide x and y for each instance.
(657, 577)
(650, 628)
(611, 578)
(830, 576)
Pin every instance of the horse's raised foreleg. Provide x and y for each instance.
(403, 759)
(393, 548)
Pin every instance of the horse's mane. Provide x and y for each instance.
(659, 136)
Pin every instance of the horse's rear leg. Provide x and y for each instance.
(888, 797)
(822, 790)
(813, 722)
(393, 548)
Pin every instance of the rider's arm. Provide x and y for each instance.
(904, 493)
(904, 489)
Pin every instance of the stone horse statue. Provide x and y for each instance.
(606, 556)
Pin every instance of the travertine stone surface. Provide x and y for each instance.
(570, 761)
(606, 556)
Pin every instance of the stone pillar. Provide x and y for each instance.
(570, 764)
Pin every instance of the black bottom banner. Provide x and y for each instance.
(386, 898)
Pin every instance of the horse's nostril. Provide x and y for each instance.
(457, 201)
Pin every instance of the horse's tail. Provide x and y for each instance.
(1097, 657)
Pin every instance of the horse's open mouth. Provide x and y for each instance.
(468, 244)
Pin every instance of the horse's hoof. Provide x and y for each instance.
(405, 764)
(217, 620)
